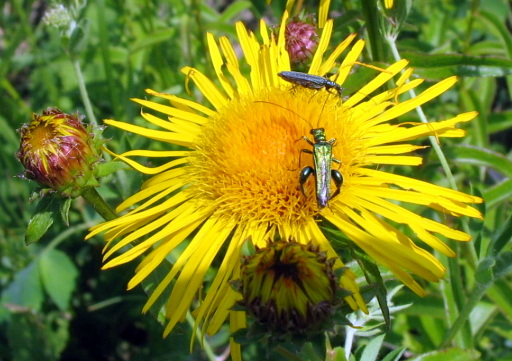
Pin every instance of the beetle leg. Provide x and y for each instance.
(337, 161)
(310, 142)
(338, 180)
(305, 151)
(303, 177)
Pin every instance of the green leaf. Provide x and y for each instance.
(500, 293)
(77, 39)
(58, 275)
(395, 355)
(374, 278)
(156, 37)
(46, 211)
(445, 65)
(337, 354)
(502, 237)
(234, 10)
(480, 316)
(466, 154)
(107, 168)
(433, 328)
(452, 354)
(503, 265)
(496, 26)
(35, 336)
(25, 290)
(486, 47)
(500, 121)
(349, 18)
(29, 339)
(313, 349)
(484, 272)
(498, 194)
(428, 305)
(371, 351)
(64, 210)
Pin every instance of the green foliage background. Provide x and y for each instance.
(56, 304)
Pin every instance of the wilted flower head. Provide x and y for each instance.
(289, 287)
(58, 152)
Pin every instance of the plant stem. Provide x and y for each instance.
(83, 90)
(375, 37)
(469, 304)
(91, 195)
(423, 118)
(64, 235)
(349, 340)
(200, 337)
(453, 265)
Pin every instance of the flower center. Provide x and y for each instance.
(249, 158)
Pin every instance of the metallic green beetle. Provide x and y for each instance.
(322, 170)
(322, 157)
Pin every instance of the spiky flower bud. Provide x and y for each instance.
(301, 40)
(289, 287)
(58, 152)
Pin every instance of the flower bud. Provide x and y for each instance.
(58, 152)
(289, 287)
(301, 40)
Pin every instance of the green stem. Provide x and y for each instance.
(469, 304)
(64, 235)
(198, 27)
(83, 90)
(91, 195)
(472, 257)
(113, 88)
(423, 118)
(371, 14)
(465, 340)
(200, 337)
(453, 266)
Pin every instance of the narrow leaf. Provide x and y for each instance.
(440, 66)
(394, 355)
(371, 351)
(64, 210)
(466, 154)
(107, 168)
(453, 354)
(498, 194)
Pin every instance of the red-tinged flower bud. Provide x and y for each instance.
(58, 152)
(289, 287)
(301, 40)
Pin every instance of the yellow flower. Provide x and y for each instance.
(239, 175)
(388, 4)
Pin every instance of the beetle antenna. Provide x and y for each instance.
(280, 106)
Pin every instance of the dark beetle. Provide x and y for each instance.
(310, 81)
